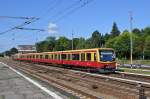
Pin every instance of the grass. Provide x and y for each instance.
(146, 62)
(138, 71)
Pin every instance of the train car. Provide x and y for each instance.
(99, 59)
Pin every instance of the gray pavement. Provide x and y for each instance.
(13, 86)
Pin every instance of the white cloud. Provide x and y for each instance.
(52, 28)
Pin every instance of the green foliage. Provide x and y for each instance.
(119, 41)
(75, 42)
(46, 45)
(7, 53)
(13, 51)
(10, 52)
(121, 44)
(115, 31)
(81, 44)
(147, 31)
(136, 31)
(42, 46)
(96, 39)
(147, 47)
(1, 55)
(62, 44)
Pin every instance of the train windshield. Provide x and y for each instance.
(107, 55)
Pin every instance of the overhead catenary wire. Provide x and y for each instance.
(14, 17)
(30, 20)
(73, 10)
(33, 19)
(63, 13)
(34, 29)
(66, 8)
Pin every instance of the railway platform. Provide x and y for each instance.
(15, 86)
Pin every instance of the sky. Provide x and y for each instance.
(64, 17)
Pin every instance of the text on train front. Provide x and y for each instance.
(107, 55)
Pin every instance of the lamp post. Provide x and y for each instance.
(131, 41)
(72, 40)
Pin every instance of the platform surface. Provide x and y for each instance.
(14, 86)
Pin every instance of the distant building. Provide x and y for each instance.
(26, 49)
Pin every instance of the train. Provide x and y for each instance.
(101, 60)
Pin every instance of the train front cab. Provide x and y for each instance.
(106, 58)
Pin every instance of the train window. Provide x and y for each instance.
(37, 56)
(40, 56)
(55, 56)
(88, 56)
(52, 56)
(49, 57)
(58, 56)
(69, 56)
(33, 56)
(46, 56)
(63, 56)
(94, 56)
(75, 56)
(82, 56)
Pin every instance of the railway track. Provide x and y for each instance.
(83, 85)
(130, 76)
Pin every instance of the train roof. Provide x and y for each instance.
(81, 50)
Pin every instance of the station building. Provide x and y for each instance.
(26, 49)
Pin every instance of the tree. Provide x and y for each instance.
(51, 39)
(105, 38)
(1, 54)
(81, 44)
(147, 47)
(75, 43)
(7, 53)
(13, 51)
(88, 43)
(46, 45)
(115, 31)
(147, 31)
(95, 39)
(136, 31)
(42, 46)
(51, 43)
(62, 44)
(122, 44)
(110, 43)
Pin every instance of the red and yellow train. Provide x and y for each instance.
(99, 59)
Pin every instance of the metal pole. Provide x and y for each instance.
(72, 40)
(131, 41)
(143, 53)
